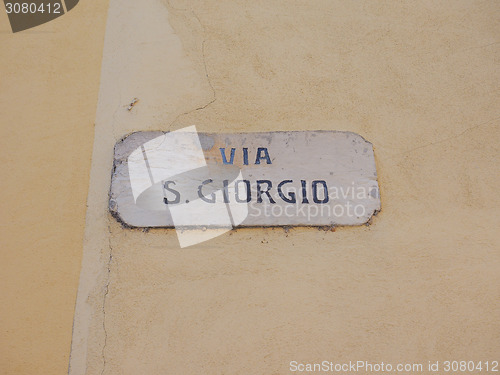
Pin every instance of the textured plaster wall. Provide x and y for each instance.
(421, 283)
(417, 79)
(49, 80)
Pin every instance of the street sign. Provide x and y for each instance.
(187, 179)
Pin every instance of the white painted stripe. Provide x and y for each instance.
(142, 58)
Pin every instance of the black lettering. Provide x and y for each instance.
(245, 155)
(304, 192)
(261, 150)
(223, 154)
(315, 191)
(173, 191)
(200, 194)
(291, 195)
(237, 191)
(266, 192)
(225, 192)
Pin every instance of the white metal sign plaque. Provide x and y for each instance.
(185, 179)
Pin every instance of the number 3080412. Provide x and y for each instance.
(25, 8)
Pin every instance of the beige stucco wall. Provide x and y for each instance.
(49, 82)
(418, 80)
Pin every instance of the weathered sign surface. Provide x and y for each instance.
(189, 179)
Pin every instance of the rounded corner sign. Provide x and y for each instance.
(186, 179)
